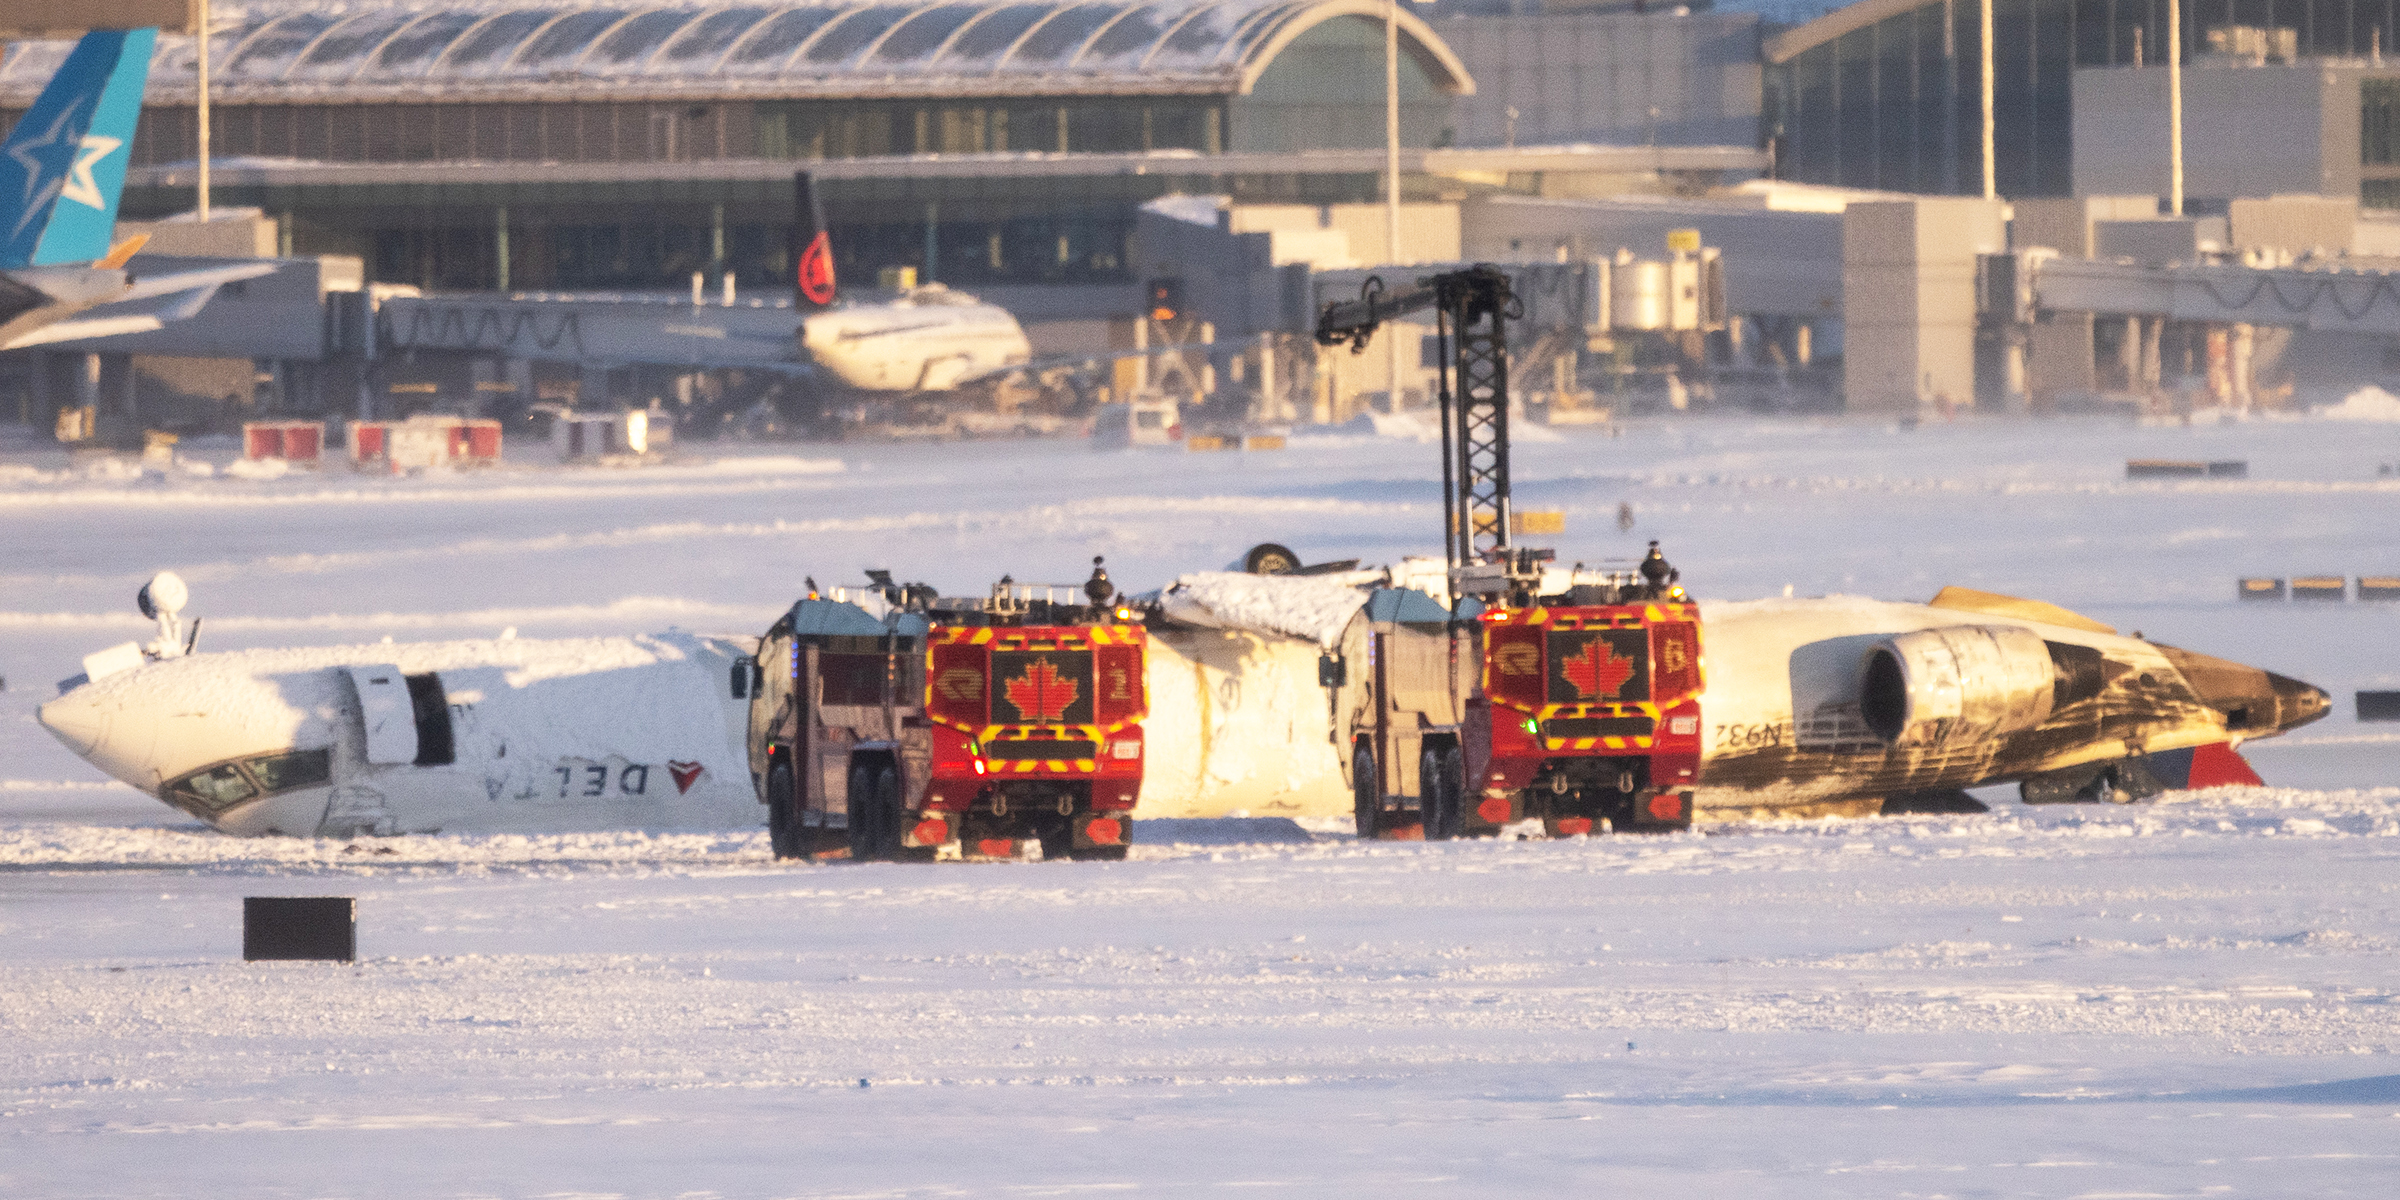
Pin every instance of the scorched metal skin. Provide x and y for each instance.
(1784, 729)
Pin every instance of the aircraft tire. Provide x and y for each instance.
(1268, 558)
(1366, 794)
(783, 817)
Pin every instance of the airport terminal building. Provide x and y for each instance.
(1886, 94)
(531, 144)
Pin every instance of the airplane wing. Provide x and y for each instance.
(104, 322)
(209, 278)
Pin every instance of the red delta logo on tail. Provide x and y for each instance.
(1041, 693)
(816, 270)
(1598, 671)
(814, 274)
(684, 773)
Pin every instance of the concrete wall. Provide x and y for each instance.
(1247, 273)
(1777, 263)
(2060, 347)
(1908, 282)
(2248, 131)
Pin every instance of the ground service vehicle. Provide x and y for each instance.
(988, 728)
(1568, 697)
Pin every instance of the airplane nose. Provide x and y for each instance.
(2297, 703)
(2256, 703)
(76, 719)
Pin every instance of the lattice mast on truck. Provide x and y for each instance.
(998, 725)
(1586, 708)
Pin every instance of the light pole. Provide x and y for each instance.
(202, 33)
(1391, 163)
(1991, 153)
(2175, 107)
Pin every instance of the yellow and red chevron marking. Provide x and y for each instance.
(1056, 766)
(1636, 708)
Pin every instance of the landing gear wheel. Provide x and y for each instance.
(1267, 558)
(1366, 795)
(783, 813)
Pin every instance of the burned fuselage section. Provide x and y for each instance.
(1834, 703)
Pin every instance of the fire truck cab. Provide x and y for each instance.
(1579, 710)
(984, 728)
(1402, 680)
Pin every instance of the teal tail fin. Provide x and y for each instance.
(63, 166)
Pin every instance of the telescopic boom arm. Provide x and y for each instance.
(1472, 309)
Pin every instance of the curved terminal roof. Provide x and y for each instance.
(427, 50)
(1793, 42)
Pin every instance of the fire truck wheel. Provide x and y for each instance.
(783, 819)
(1434, 801)
(1366, 794)
(1098, 854)
(866, 841)
(1454, 791)
(891, 815)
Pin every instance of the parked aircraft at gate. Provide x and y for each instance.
(61, 172)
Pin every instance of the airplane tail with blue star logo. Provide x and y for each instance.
(63, 167)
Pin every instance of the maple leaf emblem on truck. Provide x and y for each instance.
(1598, 671)
(1041, 693)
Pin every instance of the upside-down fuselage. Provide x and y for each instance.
(1806, 705)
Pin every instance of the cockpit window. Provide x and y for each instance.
(301, 768)
(215, 789)
(206, 793)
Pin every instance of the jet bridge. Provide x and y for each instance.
(621, 329)
(2344, 300)
(314, 310)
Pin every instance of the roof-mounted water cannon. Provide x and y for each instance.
(906, 597)
(162, 600)
(1660, 579)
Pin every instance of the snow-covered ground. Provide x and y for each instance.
(2191, 998)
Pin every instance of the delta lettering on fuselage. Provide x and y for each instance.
(584, 778)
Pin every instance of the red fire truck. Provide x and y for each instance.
(987, 728)
(1567, 697)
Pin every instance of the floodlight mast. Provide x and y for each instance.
(1472, 308)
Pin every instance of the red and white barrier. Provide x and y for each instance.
(425, 440)
(298, 442)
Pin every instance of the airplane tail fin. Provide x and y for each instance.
(63, 166)
(815, 274)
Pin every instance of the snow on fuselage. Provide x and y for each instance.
(503, 736)
(644, 732)
(1780, 710)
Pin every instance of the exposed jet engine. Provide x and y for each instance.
(1956, 686)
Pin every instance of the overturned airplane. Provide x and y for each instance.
(1284, 695)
